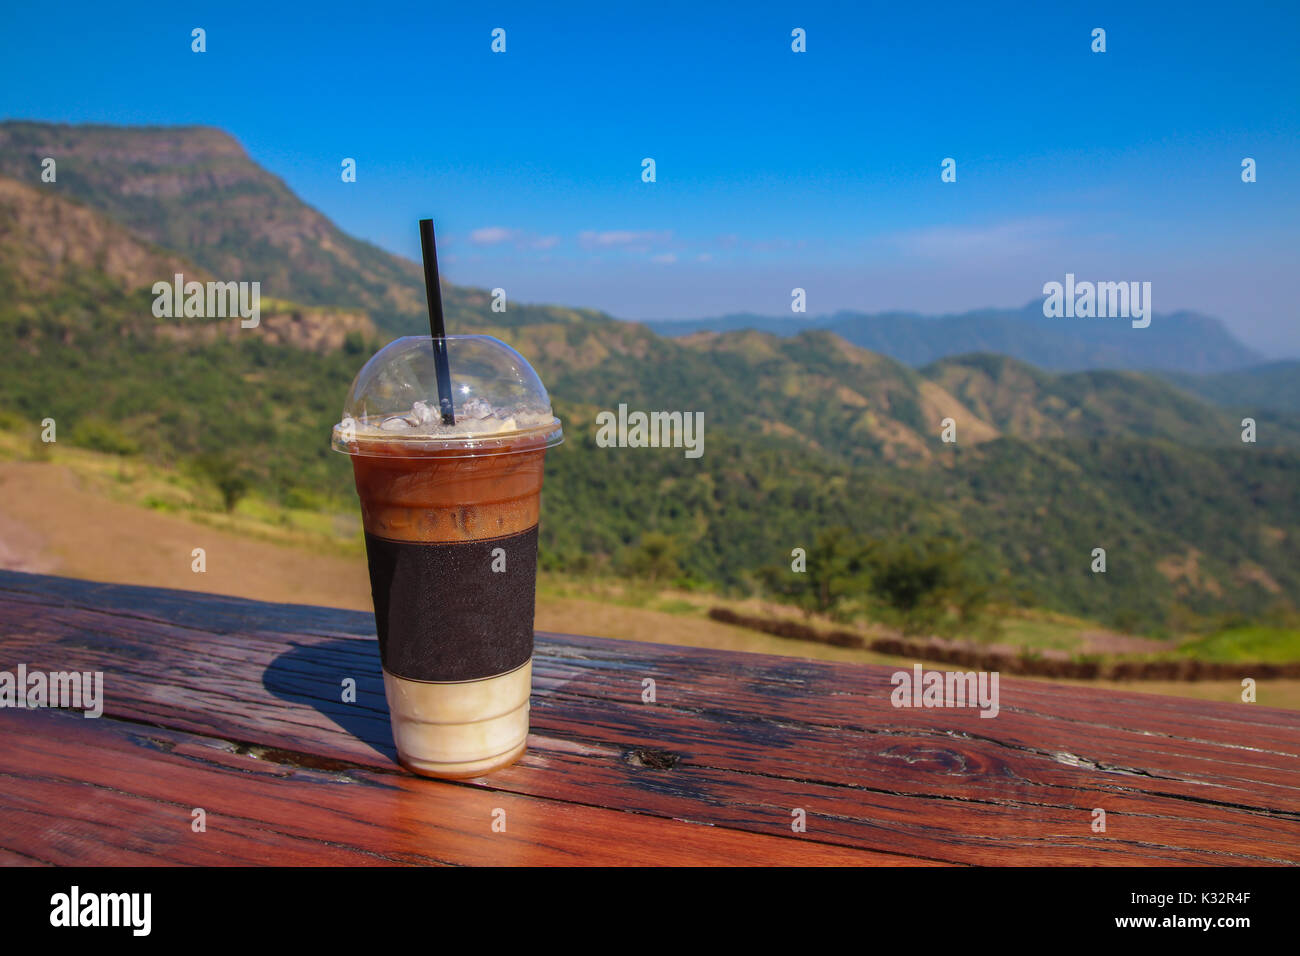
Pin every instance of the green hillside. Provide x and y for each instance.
(803, 434)
(1274, 386)
(1029, 403)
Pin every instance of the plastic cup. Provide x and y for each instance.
(450, 515)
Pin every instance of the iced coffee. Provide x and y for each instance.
(450, 514)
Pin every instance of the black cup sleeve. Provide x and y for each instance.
(456, 611)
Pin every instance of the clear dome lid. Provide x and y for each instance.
(499, 404)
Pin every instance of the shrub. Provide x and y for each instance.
(652, 559)
(99, 435)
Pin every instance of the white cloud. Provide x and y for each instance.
(489, 235)
(1003, 240)
(667, 258)
(622, 238)
(496, 235)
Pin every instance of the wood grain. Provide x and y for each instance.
(736, 742)
(104, 791)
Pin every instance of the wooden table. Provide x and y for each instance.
(234, 707)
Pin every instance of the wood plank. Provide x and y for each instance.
(103, 791)
(753, 736)
(220, 662)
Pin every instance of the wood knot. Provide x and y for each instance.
(931, 758)
(652, 759)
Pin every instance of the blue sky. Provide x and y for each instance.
(775, 169)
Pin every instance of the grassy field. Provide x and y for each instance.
(119, 519)
(1251, 642)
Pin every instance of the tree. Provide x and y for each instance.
(232, 488)
(226, 476)
(653, 558)
(354, 343)
(916, 584)
(921, 584)
(833, 581)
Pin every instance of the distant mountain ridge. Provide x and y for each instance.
(1179, 341)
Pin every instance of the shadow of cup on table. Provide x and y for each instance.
(314, 675)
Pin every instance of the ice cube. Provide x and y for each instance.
(474, 410)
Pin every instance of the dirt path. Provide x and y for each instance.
(21, 547)
(51, 523)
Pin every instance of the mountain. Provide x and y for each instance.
(1021, 400)
(822, 395)
(1180, 341)
(802, 432)
(1274, 386)
(46, 242)
(79, 343)
(49, 244)
(195, 191)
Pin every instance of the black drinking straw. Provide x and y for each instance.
(437, 326)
